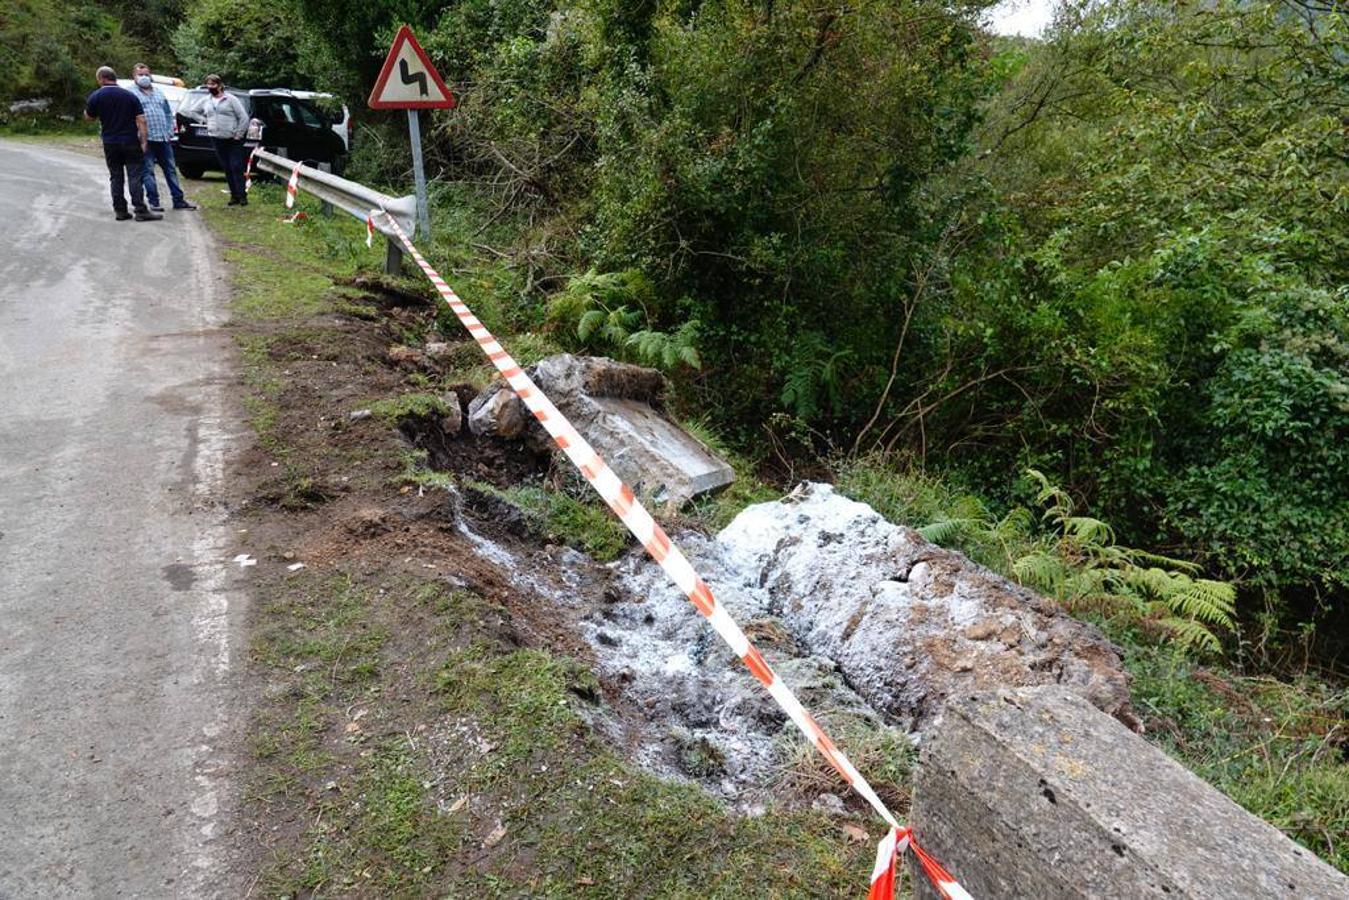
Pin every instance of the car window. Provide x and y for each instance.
(285, 111)
(309, 116)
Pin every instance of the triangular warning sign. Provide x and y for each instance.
(408, 80)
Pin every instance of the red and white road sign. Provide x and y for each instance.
(408, 79)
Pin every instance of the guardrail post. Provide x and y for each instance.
(327, 207)
(393, 258)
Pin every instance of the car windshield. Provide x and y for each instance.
(286, 111)
(194, 104)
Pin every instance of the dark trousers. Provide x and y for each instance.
(124, 172)
(160, 152)
(231, 155)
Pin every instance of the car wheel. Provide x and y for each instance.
(192, 171)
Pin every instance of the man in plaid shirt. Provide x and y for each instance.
(159, 125)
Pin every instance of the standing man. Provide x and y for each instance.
(159, 143)
(122, 125)
(227, 123)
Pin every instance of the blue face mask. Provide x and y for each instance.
(144, 80)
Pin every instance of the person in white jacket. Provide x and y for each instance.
(226, 124)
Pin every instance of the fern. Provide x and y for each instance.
(944, 531)
(1190, 635)
(612, 314)
(1077, 559)
(814, 376)
(1042, 569)
(667, 351)
(1213, 602)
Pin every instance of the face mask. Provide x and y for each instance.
(144, 80)
(214, 89)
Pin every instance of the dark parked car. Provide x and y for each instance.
(295, 124)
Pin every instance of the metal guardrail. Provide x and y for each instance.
(350, 197)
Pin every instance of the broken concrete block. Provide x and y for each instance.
(615, 406)
(1036, 793)
(909, 623)
(497, 412)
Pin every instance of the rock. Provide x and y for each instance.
(908, 623)
(437, 350)
(357, 414)
(830, 805)
(37, 104)
(404, 356)
(369, 523)
(616, 407)
(497, 412)
(452, 422)
(1034, 793)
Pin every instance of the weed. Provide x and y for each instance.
(884, 753)
(641, 835)
(715, 511)
(1276, 748)
(558, 517)
(408, 406)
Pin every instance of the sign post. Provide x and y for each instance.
(419, 172)
(417, 87)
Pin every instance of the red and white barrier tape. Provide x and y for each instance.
(651, 536)
(293, 185)
(248, 170)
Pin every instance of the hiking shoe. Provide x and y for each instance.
(123, 215)
(155, 207)
(147, 216)
(185, 205)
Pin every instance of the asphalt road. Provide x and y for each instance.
(120, 610)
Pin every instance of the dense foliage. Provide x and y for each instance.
(49, 50)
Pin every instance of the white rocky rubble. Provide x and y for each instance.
(860, 616)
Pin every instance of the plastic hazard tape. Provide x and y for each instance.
(248, 170)
(658, 544)
(293, 184)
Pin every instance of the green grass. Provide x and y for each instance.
(283, 271)
(585, 818)
(1275, 747)
(393, 410)
(558, 517)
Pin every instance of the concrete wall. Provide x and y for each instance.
(1036, 793)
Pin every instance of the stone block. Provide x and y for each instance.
(616, 407)
(1036, 793)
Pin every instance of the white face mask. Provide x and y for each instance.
(144, 80)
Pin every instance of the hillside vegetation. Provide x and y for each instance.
(1116, 256)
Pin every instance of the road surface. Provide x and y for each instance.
(120, 612)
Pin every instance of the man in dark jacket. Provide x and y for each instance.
(122, 124)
